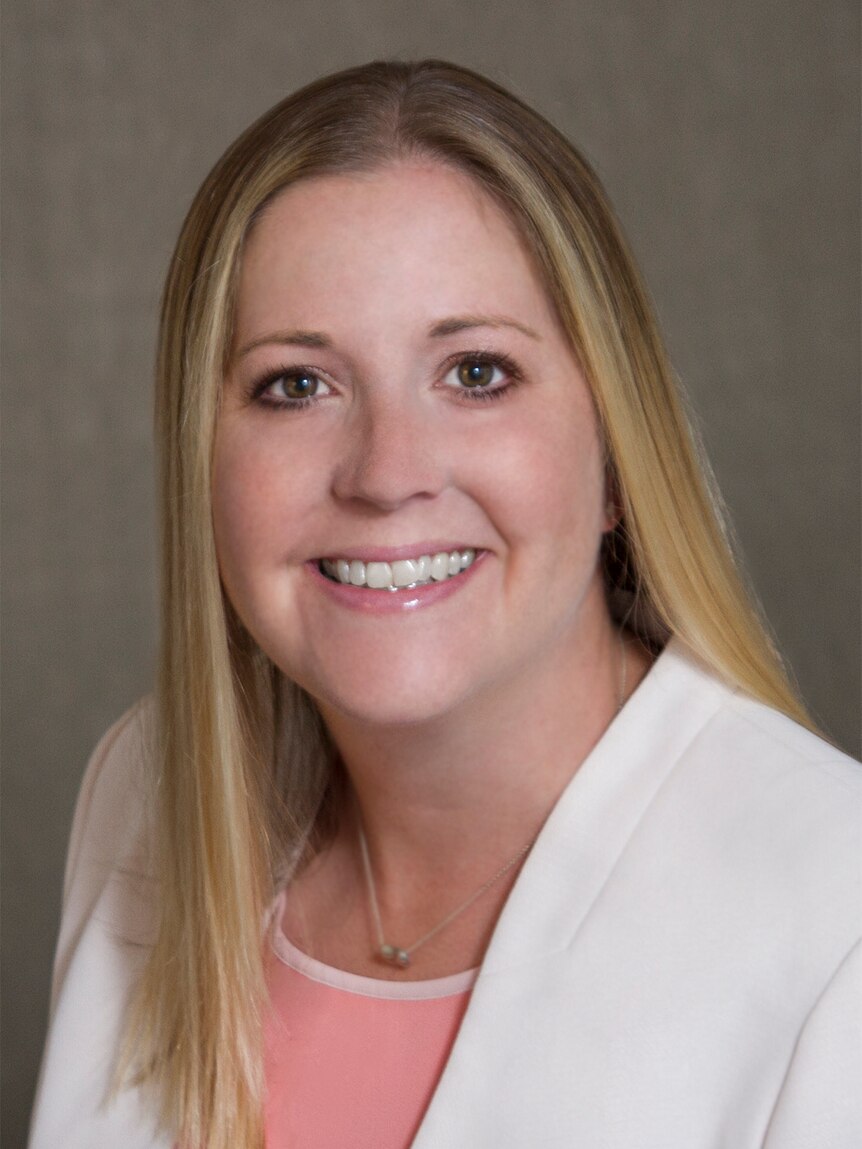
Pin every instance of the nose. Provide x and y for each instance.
(391, 455)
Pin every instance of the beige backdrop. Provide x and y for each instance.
(727, 137)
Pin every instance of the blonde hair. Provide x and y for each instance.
(245, 762)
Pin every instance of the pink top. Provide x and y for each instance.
(352, 1060)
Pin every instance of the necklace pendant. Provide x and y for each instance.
(394, 956)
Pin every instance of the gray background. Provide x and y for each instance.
(727, 135)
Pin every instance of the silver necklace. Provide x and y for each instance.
(400, 955)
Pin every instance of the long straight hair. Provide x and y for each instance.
(245, 764)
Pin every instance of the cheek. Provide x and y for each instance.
(549, 484)
(251, 513)
(239, 515)
(262, 492)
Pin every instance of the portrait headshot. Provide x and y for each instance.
(432, 597)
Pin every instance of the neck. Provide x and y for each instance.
(456, 796)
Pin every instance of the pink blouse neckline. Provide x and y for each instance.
(318, 971)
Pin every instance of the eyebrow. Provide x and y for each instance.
(451, 326)
(468, 322)
(287, 339)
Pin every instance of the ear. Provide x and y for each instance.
(613, 501)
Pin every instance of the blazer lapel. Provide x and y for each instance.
(564, 875)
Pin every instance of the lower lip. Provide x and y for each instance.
(392, 601)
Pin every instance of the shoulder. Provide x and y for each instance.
(779, 767)
(123, 752)
(109, 878)
(736, 754)
(774, 815)
(753, 742)
(116, 791)
(769, 732)
(108, 923)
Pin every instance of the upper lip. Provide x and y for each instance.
(367, 554)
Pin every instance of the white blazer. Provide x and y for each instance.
(678, 965)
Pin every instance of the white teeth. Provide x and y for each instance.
(378, 575)
(402, 573)
(440, 567)
(405, 572)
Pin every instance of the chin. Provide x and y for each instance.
(389, 701)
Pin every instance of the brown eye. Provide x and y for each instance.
(290, 389)
(475, 373)
(301, 385)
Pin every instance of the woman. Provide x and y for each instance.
(474, 808)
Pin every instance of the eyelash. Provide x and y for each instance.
(258, 389)
(491, 359)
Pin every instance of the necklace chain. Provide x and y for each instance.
(401, 955)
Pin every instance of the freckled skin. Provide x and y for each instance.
(389, 452)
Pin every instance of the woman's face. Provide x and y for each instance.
(400, 391)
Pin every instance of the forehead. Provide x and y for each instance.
(408, 238)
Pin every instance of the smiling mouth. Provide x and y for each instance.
(404, 574)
